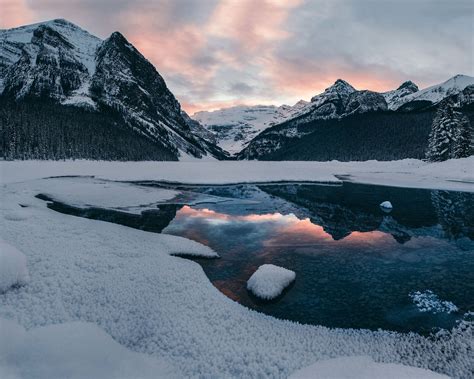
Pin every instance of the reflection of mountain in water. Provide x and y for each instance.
(351, 207)
(455, 211)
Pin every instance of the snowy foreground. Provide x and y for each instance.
(104, 300)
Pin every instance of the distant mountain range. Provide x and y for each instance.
(65, 93)
(268, 132)
(110, 83)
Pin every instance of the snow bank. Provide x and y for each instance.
(269, 281)
(362, 368)
(455, 174)
(428, 301)
(72, 350)
(13, 270)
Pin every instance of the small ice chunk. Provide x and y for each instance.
(13, 270)
(428, 301)
(269, 281)
(386, 205)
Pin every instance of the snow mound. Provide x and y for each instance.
(13, 270)
(386, 205)
(428, 301)
(72, 350)
(362, 368)
(180, 246)
(269, 281)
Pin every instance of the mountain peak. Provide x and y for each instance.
(341, 85)
(408, 85)
(117, 36)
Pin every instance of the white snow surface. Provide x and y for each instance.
(13, 269)
(84, 192)
(361, 367)
(454, 174)
(269, 281)
(127, 283)
(73, 350)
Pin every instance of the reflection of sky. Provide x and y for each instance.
(263, 230)
(366, 274)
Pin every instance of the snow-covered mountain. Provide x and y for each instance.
(288, 139)
(434, 94)
(62, 62)
(397, 97)
(234, 127)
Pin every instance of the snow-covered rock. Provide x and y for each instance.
(386, 205)
(13, 269)
(269, 281)
(362, 367)
(72, 350)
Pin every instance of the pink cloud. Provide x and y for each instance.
(251, 25)
(14, 13)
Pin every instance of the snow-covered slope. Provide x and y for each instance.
(234, 127)
(436, 93)
(60, 61)
(397, 96)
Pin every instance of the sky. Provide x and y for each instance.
(220, 53)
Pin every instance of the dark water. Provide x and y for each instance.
(355, 264)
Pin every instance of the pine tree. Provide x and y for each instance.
(463, 139)
(447, 129)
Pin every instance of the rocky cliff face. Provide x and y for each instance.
(60, 61)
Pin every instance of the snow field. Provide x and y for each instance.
(454, 174)
(73, 350)
(362, 368)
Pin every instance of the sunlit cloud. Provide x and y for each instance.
(219, 53)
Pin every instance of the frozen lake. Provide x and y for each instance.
(357, 265)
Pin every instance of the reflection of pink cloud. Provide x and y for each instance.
(14, 13)
(287, 229)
